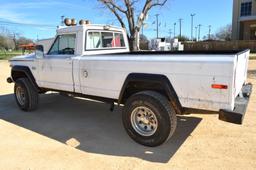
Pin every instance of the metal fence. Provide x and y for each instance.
(221, 45)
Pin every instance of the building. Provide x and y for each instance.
(244, 20)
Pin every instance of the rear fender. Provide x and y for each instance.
(136, 82)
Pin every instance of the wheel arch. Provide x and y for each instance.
(136, 82)
(22, 72)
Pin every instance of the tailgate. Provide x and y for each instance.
(241, 66)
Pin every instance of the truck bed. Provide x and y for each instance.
(192, 74)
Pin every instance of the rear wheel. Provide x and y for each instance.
(26, 94)
(149, 118)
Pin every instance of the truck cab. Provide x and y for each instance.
(70, 43)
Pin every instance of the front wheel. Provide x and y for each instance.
(26, 94)
(149, 118)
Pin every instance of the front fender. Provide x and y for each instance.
(23, 71)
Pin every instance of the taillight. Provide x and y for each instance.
(219, 86)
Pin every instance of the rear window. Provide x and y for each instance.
(107, 39)
(104, 40)
(119, 40)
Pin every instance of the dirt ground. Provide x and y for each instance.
(66, 133)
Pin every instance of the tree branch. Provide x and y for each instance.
(111, 2)
(129, 11)
(158, 3)
(130, 15)
(148, 5)
(113, 10)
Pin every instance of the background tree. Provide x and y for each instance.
(143, 42)
(183, 38)
(224, 33)
(11, 40)
(23, 40)
(126, 9)
(15, 36)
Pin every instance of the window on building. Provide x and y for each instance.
(246, 9)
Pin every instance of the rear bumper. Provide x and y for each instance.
(236, 116)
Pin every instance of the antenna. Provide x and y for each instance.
(62, 20)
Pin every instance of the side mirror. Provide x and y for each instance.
(39, 51)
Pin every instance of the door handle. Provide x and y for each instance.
(85, 73)
(69, 60)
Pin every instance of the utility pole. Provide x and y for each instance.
(209, 35)
(14, 40)
(192, 25)
(157, 15)
(199, 29)
(180, 20)
(62, 20)
(174, 28)
(196, 33)
(170, 32)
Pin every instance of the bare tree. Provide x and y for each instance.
(126, 9)
(224, 33)
(6, 41)
(11, 40)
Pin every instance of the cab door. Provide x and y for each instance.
(55, 69)
(98, 75)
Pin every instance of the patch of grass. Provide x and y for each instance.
(7, 55)
(253, 56)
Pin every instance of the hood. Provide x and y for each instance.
(31, 56)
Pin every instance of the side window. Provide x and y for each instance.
(64, 45)
(119, 40)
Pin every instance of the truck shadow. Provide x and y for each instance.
(252, 74)
(94, 128)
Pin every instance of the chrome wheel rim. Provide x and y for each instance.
(144, 121)
(20, 94)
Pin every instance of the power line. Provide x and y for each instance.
(26, 24)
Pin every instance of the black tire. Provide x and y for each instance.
(29, 95)
(164, 113)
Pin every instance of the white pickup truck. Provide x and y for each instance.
(94, 61)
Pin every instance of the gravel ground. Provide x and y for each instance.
(66, 133)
